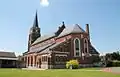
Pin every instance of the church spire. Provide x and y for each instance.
(35, 24)
(34, 32)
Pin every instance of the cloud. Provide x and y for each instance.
(44, 3)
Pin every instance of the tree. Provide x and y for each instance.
(96, 59)
(113, 56)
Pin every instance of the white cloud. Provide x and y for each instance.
(44, 3)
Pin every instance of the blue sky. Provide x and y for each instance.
(16, 18)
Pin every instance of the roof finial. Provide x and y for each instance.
(63, 23)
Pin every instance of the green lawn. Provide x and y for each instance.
(55, 73)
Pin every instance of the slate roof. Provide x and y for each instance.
(41, 48)
(75, 29)
(42, 38)
(7, 54)
(47, 50)
(93, 50)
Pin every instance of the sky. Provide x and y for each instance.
(17, 16)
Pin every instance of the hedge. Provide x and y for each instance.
(113, 64)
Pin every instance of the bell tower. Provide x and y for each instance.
(34, 32)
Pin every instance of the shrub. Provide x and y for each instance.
(109, 64)
(72, 63)
(113, 64)
(116, 63)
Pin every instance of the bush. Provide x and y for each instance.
(109, 64)
(116, 63)
(74, 64)
(113, 64)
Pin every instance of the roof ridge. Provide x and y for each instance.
(6, 52)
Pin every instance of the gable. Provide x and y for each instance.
(75, 29)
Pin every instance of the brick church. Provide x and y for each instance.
(52, 51)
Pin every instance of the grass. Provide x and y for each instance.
(55, 73)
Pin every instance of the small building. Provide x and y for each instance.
(8, 59)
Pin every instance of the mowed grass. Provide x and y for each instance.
(55, 73)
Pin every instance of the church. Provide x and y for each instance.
(55, 49)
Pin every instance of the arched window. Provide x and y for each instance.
(77, 47)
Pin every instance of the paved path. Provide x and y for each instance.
(32, 69)
(112, 69)
(91, 70)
